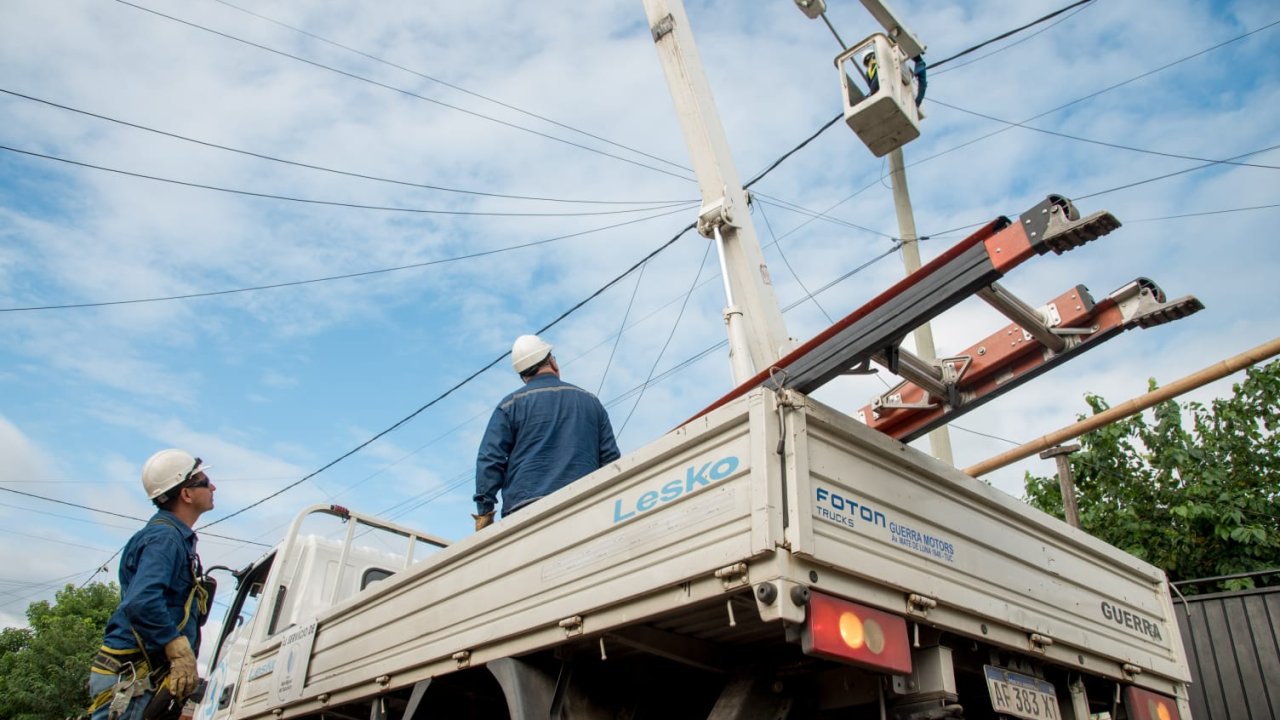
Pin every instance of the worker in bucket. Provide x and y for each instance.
(152, 638)
(541, 437)
(872, 68)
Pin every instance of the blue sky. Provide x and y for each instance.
(270, 385)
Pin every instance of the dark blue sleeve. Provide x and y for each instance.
(491, 460)
(159, 561)
(608, 445)
(921, 81)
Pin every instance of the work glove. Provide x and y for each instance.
(182, 666)
(483, 521)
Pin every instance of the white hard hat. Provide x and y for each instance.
(168, 469)
(870, 53)
(527, 351)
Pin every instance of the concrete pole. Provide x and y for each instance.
(1065, 480)
(939, 438)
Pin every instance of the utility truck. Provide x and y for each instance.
(772, 557)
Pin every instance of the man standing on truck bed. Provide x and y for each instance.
(153, 636)
(541, 437)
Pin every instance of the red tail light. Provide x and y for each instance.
(841, 630)
(1147, 705)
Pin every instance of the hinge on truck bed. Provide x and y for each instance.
(920, 605)
(572, 625)
(1039, 643)
(733, 576)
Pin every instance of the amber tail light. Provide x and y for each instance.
(840, 630)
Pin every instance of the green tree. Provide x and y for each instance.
(1197, 499)
(44, 669)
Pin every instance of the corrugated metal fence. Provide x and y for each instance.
(1232, 641)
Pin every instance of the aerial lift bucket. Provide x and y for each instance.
(887, 118)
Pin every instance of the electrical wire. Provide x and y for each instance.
(674, 326)
(321, 168)
(808, 295)
(402, 91)
(333, 203)
(1209, 164)
(1094, 94)
(458, 481)
(1206, 212)
(1117, 146)
(1053, 110)
(451, 86)
(495, 361)
(458, 385)
(762, 198)
(459, 88)
(626, 314)
(109, 512)
(1009, 33)
(345, 276)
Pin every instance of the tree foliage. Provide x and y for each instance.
(44, 669)
(1193, 490)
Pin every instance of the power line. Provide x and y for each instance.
(557, 320)
(451, 85)
(109, 512)
(321, 168)
(1117, 146)
(345, 276)
(459, 480)
(1014, 31)
(458, 385)
(1206, 212)
(1012, 45)
(674, 326)
(626, 315)
(500, 103)
(402, 91)
(769, 226)
(1048, 112)
(1109, 88)
(1211, 163)
(330, 203)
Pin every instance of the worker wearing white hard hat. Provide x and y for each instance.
(151, 641)
(541, 437)
(872, 68)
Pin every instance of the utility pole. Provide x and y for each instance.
(940, 438)
(757, 335)
(1066, 482)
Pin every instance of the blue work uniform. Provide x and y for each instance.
(540, 438)
(158, 571)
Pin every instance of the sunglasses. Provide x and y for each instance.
(195, 468)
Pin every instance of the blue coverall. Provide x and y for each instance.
(540, 438)
(157, 574)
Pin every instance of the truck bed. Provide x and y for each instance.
(771, 488)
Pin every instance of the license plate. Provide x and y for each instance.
(1021, 696)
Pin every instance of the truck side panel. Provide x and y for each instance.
(649, 531)
(883, 511)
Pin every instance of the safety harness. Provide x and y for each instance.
(137, 674)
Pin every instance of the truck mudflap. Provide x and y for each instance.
(923, 539)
